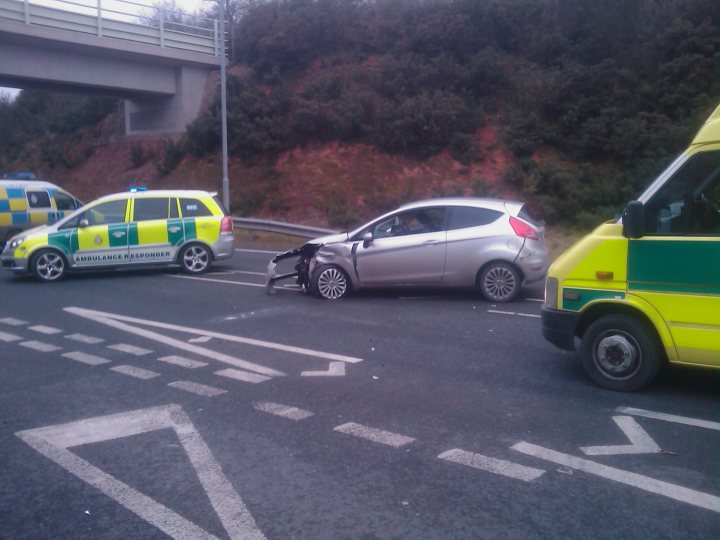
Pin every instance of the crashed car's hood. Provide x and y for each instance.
(329, 239)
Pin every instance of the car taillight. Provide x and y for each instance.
(522, 229)
(226, 225)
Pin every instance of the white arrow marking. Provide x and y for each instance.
(707, 424)
(336, 369)
(642, 443)
(53, 442)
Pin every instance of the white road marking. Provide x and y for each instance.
(256, 251)
(336, 369)
(641, 442)
(132, 371)
(659, 487)
(40, 346)
(113, 320)
(129, 349)
(53, 442)
(493, 465)
(12, 321)
(82, 338)
(197, 388)
(4, 336)
(671, 418)
(497, 311)
(240, 375)
(85, 358)
(248, 273)
(47, 330)
(245, 284)
(286, 411)
(201, 339)
(375, 435)
(182, 362)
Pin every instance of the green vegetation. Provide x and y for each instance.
(594, 97)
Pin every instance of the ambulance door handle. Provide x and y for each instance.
(118, 234)
(173, 229)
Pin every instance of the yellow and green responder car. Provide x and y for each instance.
(645, 290)
(187, 228)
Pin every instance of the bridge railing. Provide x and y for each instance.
(120, 19)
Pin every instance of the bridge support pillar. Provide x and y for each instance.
(168, 114)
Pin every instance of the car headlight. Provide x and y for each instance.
(551, 293)
(15, 242)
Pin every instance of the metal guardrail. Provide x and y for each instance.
(278, 227)
(120, 19)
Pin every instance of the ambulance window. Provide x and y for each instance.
(155, 208)
(64, 202)
(106, 213)
(38, 199)
(689, 202)
(194, 208)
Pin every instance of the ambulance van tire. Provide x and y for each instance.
(621, 352)
(195, 259)
(48, 265)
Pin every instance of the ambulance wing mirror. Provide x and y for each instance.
(83, 223)
(633, 220)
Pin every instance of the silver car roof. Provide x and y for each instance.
(503, 205)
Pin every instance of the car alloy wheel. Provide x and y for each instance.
(49, 266)
(331, 282)
(195, 259)
(500, 282)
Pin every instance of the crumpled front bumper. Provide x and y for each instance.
(304, 254)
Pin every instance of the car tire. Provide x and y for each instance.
(499, 282)
(48, 265)
(329, 282)
(621, 352)
(195, 259)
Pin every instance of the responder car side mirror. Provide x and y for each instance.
(83, 223)
(367, 239)
(633, 220)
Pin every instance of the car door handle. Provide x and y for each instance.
(431, 242)
(118, 234)
(173, 229)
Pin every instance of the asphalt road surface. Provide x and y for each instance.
(148, 404)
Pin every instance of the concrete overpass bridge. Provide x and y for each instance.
(111, 47)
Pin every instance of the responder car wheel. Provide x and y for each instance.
(499, 282)
(195, 259)
(329, 282)
(48, 265)
(620, 352)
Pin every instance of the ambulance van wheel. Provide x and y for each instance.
(195, 259)
(621, 352)
(48, 265)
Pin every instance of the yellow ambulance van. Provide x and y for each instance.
(644, 290)
(25, 204)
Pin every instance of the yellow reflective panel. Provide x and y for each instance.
(17, 205)
(93, 237)
(208, 229)
(152, 232)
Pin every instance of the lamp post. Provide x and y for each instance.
(223, 110)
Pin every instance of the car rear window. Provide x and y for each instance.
(154, 208)
(525, 215)
(463, 217)
(194, 208)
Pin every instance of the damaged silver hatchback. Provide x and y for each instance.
(492, 245)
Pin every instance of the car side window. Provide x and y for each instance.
(689, 202)
(146, 209)
(193, 208)
(64, 202)
(38, 199)
(418, 221)
(463, 217)
(106, 213)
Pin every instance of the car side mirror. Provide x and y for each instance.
(633, 220)
(83, 223)
(367, 239)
